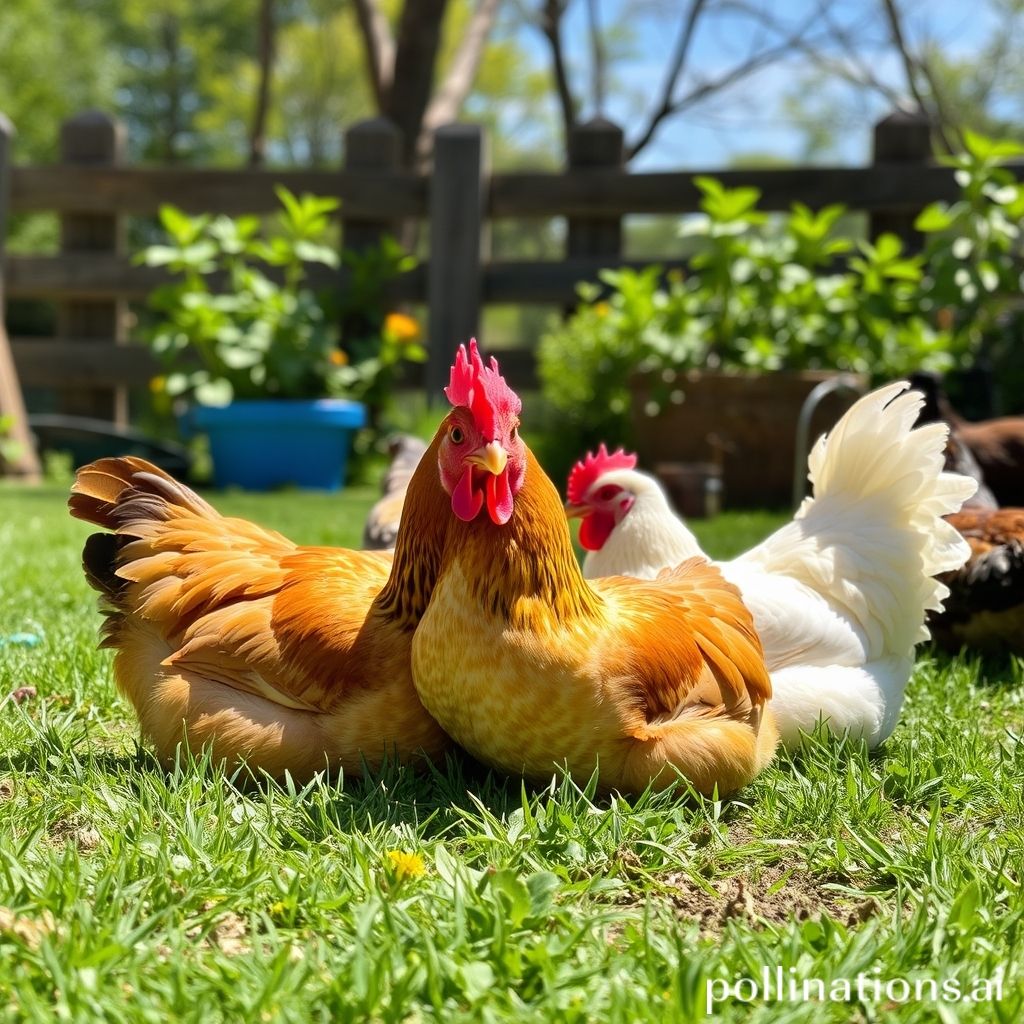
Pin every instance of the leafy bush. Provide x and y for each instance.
(229, 329)
(770, 293)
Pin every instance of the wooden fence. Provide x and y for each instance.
(92, 278)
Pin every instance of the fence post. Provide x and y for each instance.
(95, 139)
(457, 239)
(904, 137)
(372, 147)
(595, 145)
(25, 462)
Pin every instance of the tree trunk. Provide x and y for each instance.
(258, 135)
(416, 49)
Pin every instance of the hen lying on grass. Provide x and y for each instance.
(529, 666)
(839, 594)
(230, 636)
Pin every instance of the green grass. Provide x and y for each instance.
(128, 894)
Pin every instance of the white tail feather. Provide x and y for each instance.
(872, 538)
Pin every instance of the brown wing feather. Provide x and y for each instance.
(305, 642)
(691, 643)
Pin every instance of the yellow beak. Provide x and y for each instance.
(576, 511)
(491, 457)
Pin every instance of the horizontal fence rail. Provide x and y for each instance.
(91, 280)
(140, 191)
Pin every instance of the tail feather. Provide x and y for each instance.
(126, 496)
(871, 539)
(99, 560)
(118, 493)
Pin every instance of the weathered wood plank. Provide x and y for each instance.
(91, 276)
(885, 186)
(141, 190)
(400, 194)
(904, 137)
(82, 363)
(373, 149)
(595, 147)
(550, 282)
(61, 362)
(457, 236)
(93, 139)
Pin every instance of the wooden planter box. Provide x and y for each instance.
(746, 421)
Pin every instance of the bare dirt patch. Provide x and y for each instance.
(775, 894)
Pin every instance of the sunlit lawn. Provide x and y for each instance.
(130, 895)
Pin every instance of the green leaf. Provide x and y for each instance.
(964, 909)
(182, 228)
(542, 887)
(935, 217)
(985, 149)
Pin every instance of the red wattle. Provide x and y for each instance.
(499, 498)
(595, 529)
(465, 501)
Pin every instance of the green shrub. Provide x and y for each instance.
(229, 329)
(770, 293)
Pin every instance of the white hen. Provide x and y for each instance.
(839, 594)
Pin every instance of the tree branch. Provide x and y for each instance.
(702, 90)
(911, 68)
(258, 132)
(380, 49)
(551, 25)
(855, 70)
(417, 44)
(665, 107)
(447, 101)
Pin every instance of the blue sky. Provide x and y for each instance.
(752, 116)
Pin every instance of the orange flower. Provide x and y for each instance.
(338, 358)
(403, 329)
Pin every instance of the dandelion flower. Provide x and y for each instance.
(406, 865)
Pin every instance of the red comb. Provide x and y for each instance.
(480, 388)
(592, 466)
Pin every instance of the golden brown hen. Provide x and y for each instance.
(229, 636)
(529, 666)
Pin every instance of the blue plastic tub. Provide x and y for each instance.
(259, 445)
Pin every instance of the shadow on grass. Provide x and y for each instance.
(991, 670)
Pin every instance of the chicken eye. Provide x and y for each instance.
(608, 492)
(456, 435)
(514, 433)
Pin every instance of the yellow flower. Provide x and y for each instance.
(602, 309)
(339, 358)
(406, 865)
(158, 385)
(401, 328)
